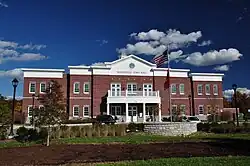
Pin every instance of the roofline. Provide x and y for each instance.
(88, 67)
(143, 60)
(206, 74)
(166, 69)
(48, 70)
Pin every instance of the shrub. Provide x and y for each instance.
(43, 133)
(74, 131)
(203, 127)
(78, 121)
(65, 132)
(33, 134)
(104, 130)
(134, 127)
(3, 132)
(22, 134)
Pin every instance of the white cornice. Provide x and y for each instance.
(42, 70)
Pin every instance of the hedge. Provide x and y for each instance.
(229, 127)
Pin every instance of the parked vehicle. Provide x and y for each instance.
(193, 119)
(107, 119)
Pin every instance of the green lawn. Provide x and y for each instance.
(197, 161)
(132, 139)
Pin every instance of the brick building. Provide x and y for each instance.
(129, 88)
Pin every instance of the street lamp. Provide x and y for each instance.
(235, 102)
(190, 109)
(33, 106)
(14, 84)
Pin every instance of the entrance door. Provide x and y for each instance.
(132, 113)
(147, 89)
(116, 89)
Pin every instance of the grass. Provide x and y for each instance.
(197, 161)
(132, 139)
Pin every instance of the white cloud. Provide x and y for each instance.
(32, 46)
(142, 48)
(10, 51)
(2, 4)
(15, 73)
(229, 93)
(213, 57)
(98, 64)
(102, 42)
(4, 44)
(153, 34)
(205, 43)
(221, 68)
(155, 42)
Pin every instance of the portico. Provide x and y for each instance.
(138, 107)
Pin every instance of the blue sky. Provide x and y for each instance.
(206, 36)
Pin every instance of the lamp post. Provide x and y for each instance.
(190, 109)
(14, 84)
(33, 106)
(235, 102)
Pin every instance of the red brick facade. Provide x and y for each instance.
(100, 79)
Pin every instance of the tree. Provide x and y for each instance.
(243, 102)
(53, 111)
(5, 119)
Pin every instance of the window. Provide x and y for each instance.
(86, 88)
(76, 111)
(215, 89)
(201, 110)
(183, 109)
(174, 109)
(76, 87)
(116, 110)
(207, 89)
(30, 111)
(115, 89)
(149, 110)
(42, 87)
(209, 109)
(32, 87)
(181, 89)
(173, 89)
(199, 89)
(132, 88)
(86, 111)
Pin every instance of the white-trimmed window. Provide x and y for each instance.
(173, 88)
(201, 109)
(30, 111)
(207, 89)
(42, 87)
(86, 88)
(199, 89)
(116, 110)
(76, 88)
(131, 88)
(86, 111)
(149, 110)
(183, 109)
(76, 111)
(215, 89)
(32, 87)
(182, 89)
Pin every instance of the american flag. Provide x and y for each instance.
(161, 59)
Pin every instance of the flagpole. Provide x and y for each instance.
(170, 105)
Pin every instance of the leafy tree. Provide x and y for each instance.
(243, 102)
(53, 111)
(226, 103)
(5, 119)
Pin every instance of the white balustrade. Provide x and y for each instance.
(127, 93)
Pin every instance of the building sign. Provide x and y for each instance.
(131, 72)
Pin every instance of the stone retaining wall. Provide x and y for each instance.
(171, 128)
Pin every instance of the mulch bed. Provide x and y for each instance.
(90, 153)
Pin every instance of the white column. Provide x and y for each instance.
(107, 108)
(144, 112)
(126, 112)
(159, 112)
